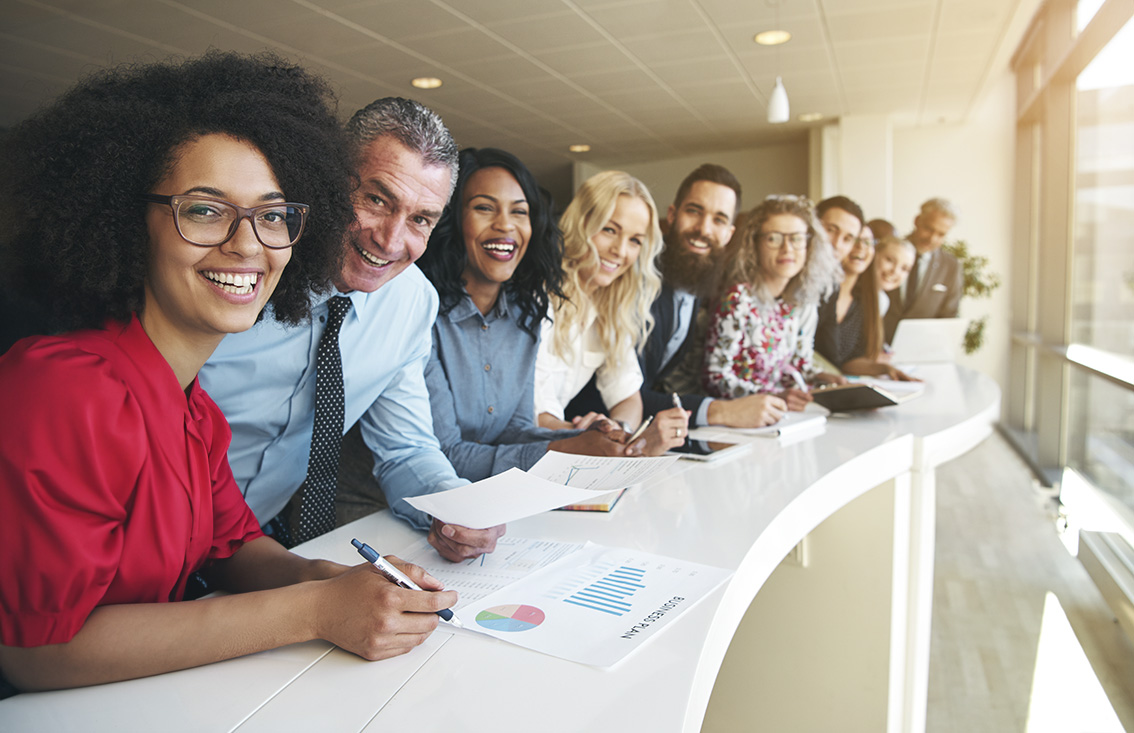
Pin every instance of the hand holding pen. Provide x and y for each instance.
(397, 577)
(798, 398)
(663, 431)
(640, 430)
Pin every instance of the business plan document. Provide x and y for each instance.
(595, 606)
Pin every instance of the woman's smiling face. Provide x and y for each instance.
(618, 242)
(199, 291)
(861, 253)
(893, 264)
(496, 224)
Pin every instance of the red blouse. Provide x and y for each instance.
(114, 483)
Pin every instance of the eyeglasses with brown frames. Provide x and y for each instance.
(210, 222)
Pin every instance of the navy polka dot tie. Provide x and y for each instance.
(317, 509)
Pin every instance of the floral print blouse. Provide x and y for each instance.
(751, 349)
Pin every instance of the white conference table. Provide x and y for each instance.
(836, 636)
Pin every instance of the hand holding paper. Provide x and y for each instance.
(516, 494)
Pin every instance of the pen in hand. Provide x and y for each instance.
(397, 577)
(677, 401)
(798, 378)
(641, 429)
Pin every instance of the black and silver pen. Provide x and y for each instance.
(397, 577)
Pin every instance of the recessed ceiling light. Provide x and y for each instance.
(772, 38)
(810, 116)
(426, 82)
(580, 148)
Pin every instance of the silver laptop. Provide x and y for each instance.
(928, 340)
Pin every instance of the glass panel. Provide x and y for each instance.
(1102, 287)
(1101, 432)
(1084, 11)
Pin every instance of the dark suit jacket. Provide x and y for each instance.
(938, 293)
(650, 360)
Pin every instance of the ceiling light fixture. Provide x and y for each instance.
(580, 148)
(772, 38)
(779, 111)
(426, 82)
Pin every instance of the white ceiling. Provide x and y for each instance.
(635, 79)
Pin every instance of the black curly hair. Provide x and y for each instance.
(73, 236)
(539, 274)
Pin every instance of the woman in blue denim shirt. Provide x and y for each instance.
(494, 258)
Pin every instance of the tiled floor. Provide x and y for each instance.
(1003, 583)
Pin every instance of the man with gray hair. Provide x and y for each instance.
(933, 289)
(281, 387)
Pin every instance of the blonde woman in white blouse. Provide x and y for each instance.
(611, 242)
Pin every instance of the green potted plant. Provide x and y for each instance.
(978, 282)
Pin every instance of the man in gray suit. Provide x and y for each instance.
(933, 289)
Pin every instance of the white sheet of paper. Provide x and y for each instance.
(896, 387)
(499, 499)
(599, 472)
(595, 606)
(812, 418)
(514, 558)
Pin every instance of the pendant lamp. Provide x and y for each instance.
(778, 109)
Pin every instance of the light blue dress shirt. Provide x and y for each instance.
(264, 381)
(480, 378)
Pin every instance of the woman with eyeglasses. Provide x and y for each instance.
(849, 334)
(761, 333)
(147, 213)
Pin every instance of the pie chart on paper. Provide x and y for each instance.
(510, 618)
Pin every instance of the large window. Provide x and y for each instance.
(1101, 424)
(1071, 403)
(1102, 294)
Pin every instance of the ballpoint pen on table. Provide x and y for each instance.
(397, 577)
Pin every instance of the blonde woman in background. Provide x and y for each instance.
(611, 243)
(893, 260)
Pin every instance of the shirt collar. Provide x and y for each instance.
(360, 302)
(683, 296)
(465, 308)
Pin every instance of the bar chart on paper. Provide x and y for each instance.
(594, 606)
(612, 593)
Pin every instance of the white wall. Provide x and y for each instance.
(761, 171)
(972, 165)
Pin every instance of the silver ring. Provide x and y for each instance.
(677, 432)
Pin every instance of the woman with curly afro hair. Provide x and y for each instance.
(147, 213)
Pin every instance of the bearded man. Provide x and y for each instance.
(700, 222)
